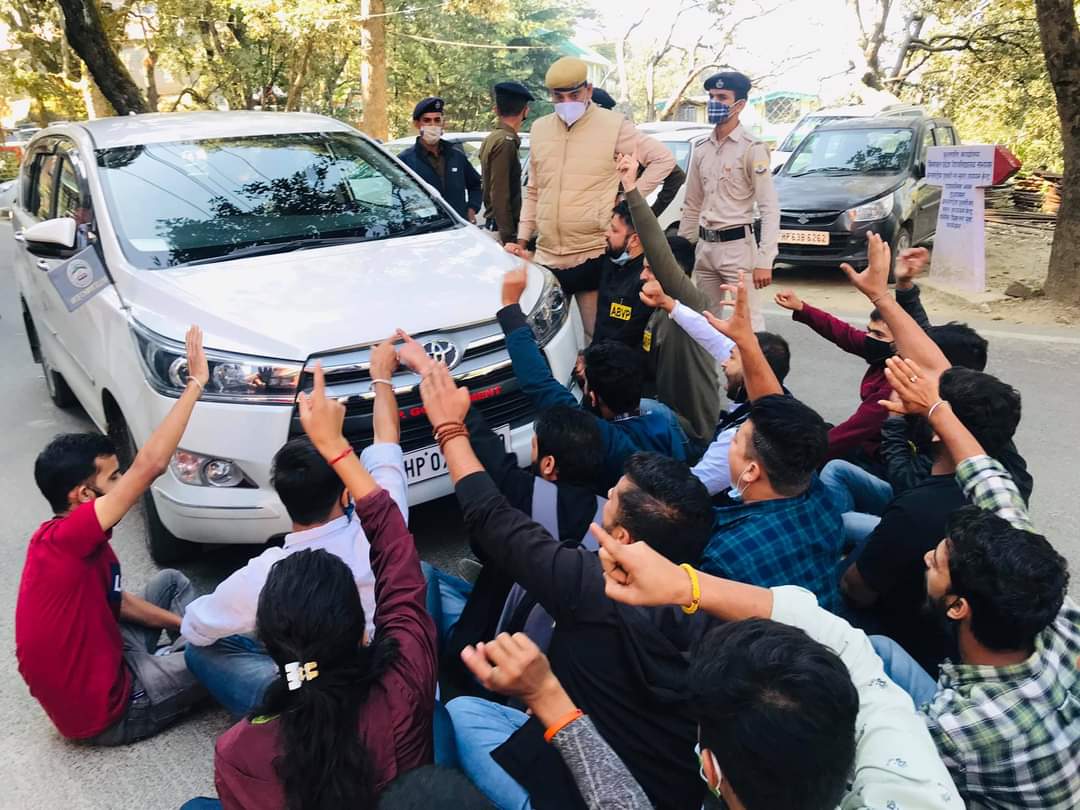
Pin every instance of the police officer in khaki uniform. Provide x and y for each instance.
(500, 163)
(729, 173)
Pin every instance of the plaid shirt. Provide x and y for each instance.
(1010, 735)
(788, 541)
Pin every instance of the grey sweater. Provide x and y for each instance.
(602, 779)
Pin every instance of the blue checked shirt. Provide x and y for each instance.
(788, 541)
(1010, 736)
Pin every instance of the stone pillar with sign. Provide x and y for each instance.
(963, 172)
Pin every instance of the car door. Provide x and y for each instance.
(927, 197)
(69, 339)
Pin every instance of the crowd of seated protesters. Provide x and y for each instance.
(695, 594)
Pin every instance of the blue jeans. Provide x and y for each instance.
(862, 498)
(904, 671)
(236, 670)
(446, 598)
(480, 727)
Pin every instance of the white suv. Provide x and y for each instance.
(289, 238)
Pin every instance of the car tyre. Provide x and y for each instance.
(59, 391)
(165, 547)
(900, 243)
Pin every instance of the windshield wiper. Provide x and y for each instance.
(267, 248)
(423, 227)
(824, 169)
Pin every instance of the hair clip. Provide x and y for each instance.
(296, 673)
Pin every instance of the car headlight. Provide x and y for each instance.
(233, 377)
(550, 311)
(875, 209)
(198, 470)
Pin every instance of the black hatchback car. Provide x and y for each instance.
(857, 176)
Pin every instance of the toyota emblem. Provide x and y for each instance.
(442, 351)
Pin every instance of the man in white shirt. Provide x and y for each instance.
(713, 468)
(223, 651)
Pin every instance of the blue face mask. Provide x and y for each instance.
(622, 258)
(717, 111)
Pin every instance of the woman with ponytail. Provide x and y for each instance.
(345, 716)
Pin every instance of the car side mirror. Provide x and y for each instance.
(51, 236)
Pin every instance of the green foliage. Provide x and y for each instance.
(39, 65)
(998, 92)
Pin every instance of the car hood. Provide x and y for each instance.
(819, 192)
(293, 305)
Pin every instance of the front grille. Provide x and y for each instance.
(814, 219)
(493, 386)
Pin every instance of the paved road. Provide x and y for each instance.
(40, 770)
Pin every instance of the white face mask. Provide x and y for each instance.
(570, 111)
(430, 135)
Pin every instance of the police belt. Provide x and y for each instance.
(725, 235)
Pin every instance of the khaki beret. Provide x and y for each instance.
(567, 73)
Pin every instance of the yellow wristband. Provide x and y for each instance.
(695, 589)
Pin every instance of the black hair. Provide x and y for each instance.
(777, 709)
(668, 507)
(790, 440)
(684, 252)
(777, 353)
(985, 405)
(432, 788)
(1013, 580)
(614, 373)
(305, 482)
(961, 344)
(509, 104)
(310, 611)
(67, 461)
(875, 315)
(622, 211)
(572, 437)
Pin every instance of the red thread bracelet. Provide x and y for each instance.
(341, 455)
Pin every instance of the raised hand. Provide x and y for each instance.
(627, 166)
(197, 367)
(513, 286)
(873, 282)
(443, 400)
(412, 354)
(789, 300)
(738, 326)
(322, 418)
(384, 360)
(910, 264)
(916, 390)
(653, 295)
(638, 575)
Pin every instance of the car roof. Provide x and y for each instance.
(455, 137)
(132, 130)
(883, 122)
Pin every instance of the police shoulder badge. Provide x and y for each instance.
(761, 166)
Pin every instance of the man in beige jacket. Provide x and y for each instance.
(573, 184)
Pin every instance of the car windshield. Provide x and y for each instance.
(681, 151)
(200, 200)
(852, 151)
(804, 128)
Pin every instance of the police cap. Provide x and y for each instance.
(738, 83)
(568, 73)
(431, 104)
(602, 98)
(514, 89)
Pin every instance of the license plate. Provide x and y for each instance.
(804, 237)
(428, 462)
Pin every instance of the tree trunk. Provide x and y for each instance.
(1061, 47)
(150, 67)
(373, 68)
(86, 33)
(299, 77)
(675, 99)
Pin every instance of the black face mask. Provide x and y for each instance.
(878, 351)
